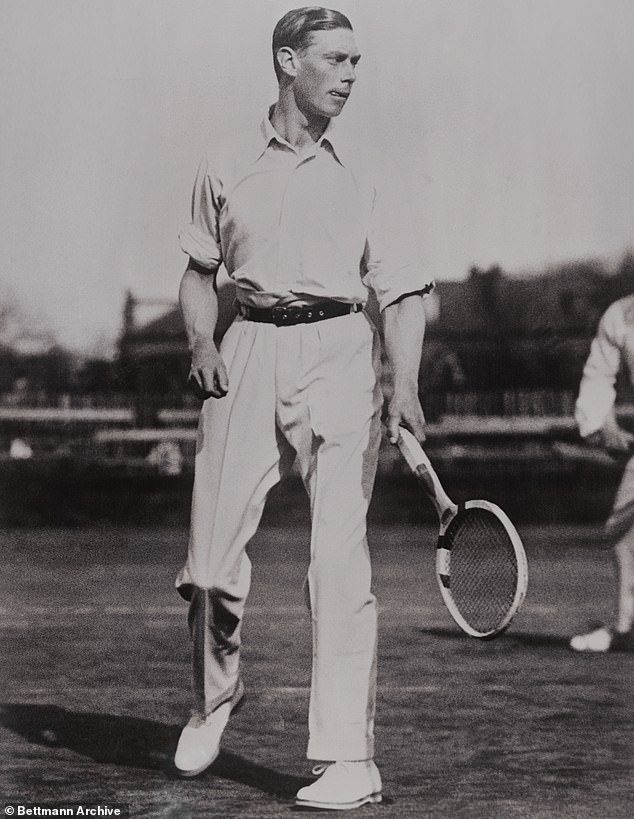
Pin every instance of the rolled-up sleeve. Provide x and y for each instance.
(200, 239)
(597, 391)
(392, 265)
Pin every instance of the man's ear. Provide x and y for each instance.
(287, 60)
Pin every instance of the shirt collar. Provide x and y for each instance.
(330, 137)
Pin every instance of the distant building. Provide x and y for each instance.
(509, 332)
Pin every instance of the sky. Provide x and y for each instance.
(511, 121)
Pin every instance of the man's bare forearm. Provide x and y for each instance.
(199, 304)
(404, 328)
(404, 331)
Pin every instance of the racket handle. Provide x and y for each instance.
(425, 473)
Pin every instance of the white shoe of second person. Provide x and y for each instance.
(599, 640)
(199, 743)
(343, 786)
(603, 639)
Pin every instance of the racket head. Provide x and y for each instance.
(481, 569)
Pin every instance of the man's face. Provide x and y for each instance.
(326, 72)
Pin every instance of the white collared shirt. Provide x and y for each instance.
(612, 348)
(300, 226)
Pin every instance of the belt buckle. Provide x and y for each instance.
(279, 315)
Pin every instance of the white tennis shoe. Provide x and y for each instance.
(343, 786)
(599, 640)
(603, 639)
(199, 743)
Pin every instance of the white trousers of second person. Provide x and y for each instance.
(308, 392)
(620, 529)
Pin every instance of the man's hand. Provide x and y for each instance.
(207, 375)
(404, 409)
(612, 437)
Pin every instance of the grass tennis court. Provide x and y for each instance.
(95, 682)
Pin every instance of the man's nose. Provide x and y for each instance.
(349, 73)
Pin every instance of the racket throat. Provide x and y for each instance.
(428, 480)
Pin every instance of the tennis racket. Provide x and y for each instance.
(481, 565)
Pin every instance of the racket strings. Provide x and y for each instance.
(484, 571)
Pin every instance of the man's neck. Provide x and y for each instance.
(294, 126)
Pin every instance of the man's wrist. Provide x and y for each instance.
(201, 341)
(405, 384)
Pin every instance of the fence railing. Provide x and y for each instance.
(503, 403)
(44, 400)
(175, 408)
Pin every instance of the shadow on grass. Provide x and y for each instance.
(132, 742)
(521, 639)
(512, 639)
(118, 740)
(237, 769)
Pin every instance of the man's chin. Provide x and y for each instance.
(332, 108)
(335, 110)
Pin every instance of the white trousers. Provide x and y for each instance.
(620, 527)
(309, 393)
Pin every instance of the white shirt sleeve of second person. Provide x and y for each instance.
(597, 391)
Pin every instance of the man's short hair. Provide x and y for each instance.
(295, 29)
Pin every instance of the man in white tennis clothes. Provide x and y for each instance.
(612, 349)
(295, 215)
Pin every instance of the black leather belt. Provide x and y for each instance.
(286, 315)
